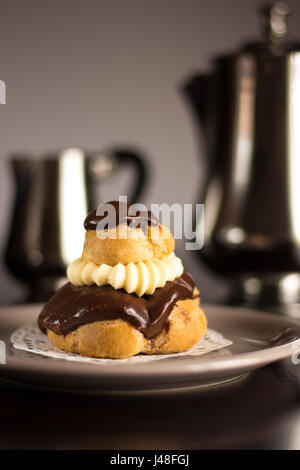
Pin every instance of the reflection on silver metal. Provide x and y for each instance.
(2, 352)
(289, 288)
(72, 203)
(253, 286)
(102, 166)
(281, 289)
(276, 17)
(293, 141)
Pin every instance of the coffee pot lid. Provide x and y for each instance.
(273, 42)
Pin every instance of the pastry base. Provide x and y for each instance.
(117, 339)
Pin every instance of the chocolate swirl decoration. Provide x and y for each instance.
(73, 306)
(116, 213)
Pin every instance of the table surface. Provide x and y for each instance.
(261, 411)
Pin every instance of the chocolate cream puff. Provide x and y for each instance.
(127, 294)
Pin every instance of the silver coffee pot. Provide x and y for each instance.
(248, 109)
(53, 194)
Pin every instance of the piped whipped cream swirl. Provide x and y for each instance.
(139, 278)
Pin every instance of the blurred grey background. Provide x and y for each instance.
(95, 73)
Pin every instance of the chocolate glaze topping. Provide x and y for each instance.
(118, 213)
(73, 306)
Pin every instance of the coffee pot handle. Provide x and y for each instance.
(138, 162)
(103, 164)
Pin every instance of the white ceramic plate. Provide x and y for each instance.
(258, 339)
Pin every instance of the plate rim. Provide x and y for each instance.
(239, 361)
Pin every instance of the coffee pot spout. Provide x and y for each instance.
(198, 91)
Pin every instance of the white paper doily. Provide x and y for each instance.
(29, 338)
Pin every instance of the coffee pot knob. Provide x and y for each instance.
(275, 20)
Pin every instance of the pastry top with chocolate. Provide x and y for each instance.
(119, 235)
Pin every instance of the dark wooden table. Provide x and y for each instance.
(260, 412)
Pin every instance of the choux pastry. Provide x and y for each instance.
(127, 294)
